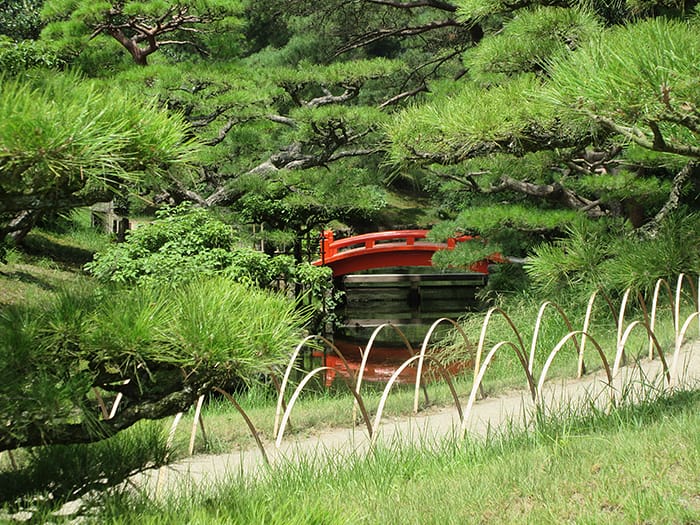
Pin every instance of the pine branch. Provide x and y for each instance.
(423, 88)
(554, 192)
(637, 136)
(351, 91)
(280, 119)
(381, 34)
(674, 197)
(444, 6)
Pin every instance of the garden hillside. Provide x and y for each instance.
(168, 168)
(36, 288)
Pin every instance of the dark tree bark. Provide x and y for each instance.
(143, 36)
(690, 171)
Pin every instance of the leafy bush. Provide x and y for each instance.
(20, 56)
(185, 243)
(181, 243)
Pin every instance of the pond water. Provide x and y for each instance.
(412, 301)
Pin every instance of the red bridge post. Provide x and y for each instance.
(326, 241)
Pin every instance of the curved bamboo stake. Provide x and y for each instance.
(278, 388)
(290, 366)
(696, 299)
(370, 345)
(535, 334)
(285, 379)
(479, 378)
(173, 427)
(115, 405)
(621, 317)
(679, 344)
(654, 309)
(103, 406)
(620, 346)
(197, 419)
(620, 329)
(297, 392)
(555, 351)
(423, 349)
(365, 357)
(581, 367)
(623, 341)
(677, 305)
(390, 384)
(248, 422)
(468, 345)
(586, 323)
(482, 336)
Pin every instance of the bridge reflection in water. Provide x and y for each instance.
(411, 298)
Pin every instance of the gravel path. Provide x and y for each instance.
(492, 412)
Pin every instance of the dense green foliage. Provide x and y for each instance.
(186, 243)
(65, 143)
(178, 245)
(171, 346)
(545, 113)
(596, 256)
(20, 19)
(565, 133)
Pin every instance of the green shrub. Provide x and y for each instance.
(186, 242)
(181, 243)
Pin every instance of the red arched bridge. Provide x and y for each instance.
(387, 249)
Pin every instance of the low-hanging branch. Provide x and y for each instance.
(351, 92)
(381, 34)
(656, 143)
(554, 192)
(437, 4)
(92, 429)
(690, 170)
(293, 157)
(422, 88)
(518, 145)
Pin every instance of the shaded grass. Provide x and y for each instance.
(639, 464)
(50, 259)
(70, 240)
(26, 279)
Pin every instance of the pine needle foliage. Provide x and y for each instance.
(531, 39)
(647, 92)
(171, 346)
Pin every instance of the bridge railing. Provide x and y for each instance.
(331, 247)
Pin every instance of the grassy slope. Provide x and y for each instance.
(639, 465)
(50, 260)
